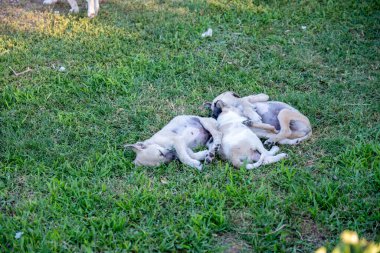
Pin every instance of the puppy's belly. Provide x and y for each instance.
(241, 143)
(195, 137)
(269, 112)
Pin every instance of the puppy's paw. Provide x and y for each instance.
(248, 122)
(274, 150)
(209, 157)
(199, 167)
(196, 164)
(208, 160)
(217, 147)
(269, 143)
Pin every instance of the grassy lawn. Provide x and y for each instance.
(67, 184)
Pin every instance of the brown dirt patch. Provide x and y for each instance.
(231, 243)
(312, 233)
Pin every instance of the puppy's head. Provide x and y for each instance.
(150, 154)
(228, 98)
(223, 107)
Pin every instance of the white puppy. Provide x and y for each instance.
(92, 11)
(177, 141)
(275, 121)
(239, 143)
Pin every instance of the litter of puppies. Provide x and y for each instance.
(233, 132)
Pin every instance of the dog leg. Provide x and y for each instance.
(284, 117)
(275, 158)
(96, 7)
(200, 156)
(50, 1)
(273, 150)
(74, 6)
(91, 8)
(295, 141)
(184, 157)
(211, 126)
(257, 98)
(249, 110)
(256, 164)
(250, 123)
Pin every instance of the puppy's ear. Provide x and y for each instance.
(207, 105)
(220, 104)
(138, 146)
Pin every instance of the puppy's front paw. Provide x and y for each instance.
(209, 157)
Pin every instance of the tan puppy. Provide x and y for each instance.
(239, 143)
(280, 122)
(176, 140)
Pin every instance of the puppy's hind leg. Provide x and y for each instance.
(284, 117)
(273, 150)
(200, 156)
(184, 157)
(250, 123)
(256, 164)
(212, 127)
(295, 141)
(273, 159)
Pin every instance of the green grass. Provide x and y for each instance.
(67, 184)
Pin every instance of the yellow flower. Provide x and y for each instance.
(336, 250)
(321, 250)
(372, 248)
(349, 237)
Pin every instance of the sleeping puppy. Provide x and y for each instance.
(239, 143)
(176, 140)
(280, 123)
(92, 11)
